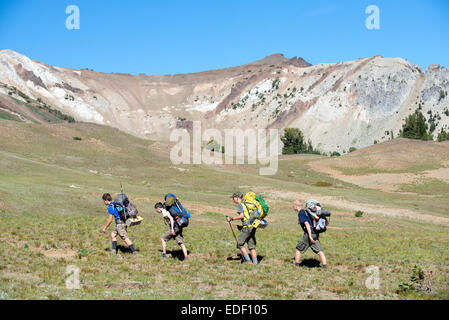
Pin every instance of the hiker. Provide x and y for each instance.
(247, 231)
(311, 237)
(170, 216)
(120, 225)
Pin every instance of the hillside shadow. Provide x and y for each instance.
(176, 254)
(122, 249)
(240, 257)
(310, 263)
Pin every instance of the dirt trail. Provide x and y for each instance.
(344, 204)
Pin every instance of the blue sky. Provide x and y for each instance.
(169, 37)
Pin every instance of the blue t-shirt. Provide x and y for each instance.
(113, 211)
(304, 217)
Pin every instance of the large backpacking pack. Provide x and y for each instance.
(320, 218)
(182, 215)
(126, 209)
(257, 209)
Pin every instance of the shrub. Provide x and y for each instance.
(359, 213)
(443, 136)
(416, 282)
(352, 149)
(77, 138)
(442, 95)
(323, 184)
(82, 252)
(335, 154)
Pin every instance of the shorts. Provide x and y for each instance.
(178, 236)
(305, 243)
(121, 230)
(247, 235)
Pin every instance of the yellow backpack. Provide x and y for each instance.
(253, 205)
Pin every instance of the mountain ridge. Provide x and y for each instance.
(337, 105)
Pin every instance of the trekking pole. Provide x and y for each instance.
(232, 229)
(121, 187)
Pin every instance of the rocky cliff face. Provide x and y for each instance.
(337, 106)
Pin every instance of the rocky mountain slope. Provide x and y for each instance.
(337, 106)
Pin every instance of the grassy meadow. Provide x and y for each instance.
(51, 217)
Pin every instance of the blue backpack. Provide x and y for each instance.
(183, 215)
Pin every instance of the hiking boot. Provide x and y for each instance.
(297, 264)
(324, 266)
(185, 259)
(164, 255)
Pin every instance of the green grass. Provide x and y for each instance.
(51, 216)
(431, 187)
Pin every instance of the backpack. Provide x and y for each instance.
(257, 207)
(183, 215)
(125, 208)
(321, 224)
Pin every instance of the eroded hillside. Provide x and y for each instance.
(338, 106)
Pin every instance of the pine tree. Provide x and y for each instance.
(415, 127)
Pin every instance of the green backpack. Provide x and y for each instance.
(264, 206)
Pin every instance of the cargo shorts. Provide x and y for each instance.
(247, 235)
(122, 230)
(304, 243)
(178, 236)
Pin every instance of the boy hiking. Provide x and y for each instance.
(247, 232)
(310, 238)
(171, 218)
(120, 225)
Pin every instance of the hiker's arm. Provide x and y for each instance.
(108, 223)
(239, 217)
(172, 224)
(309, 231)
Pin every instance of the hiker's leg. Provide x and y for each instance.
(323, 258)
(164, 246)
(298, 256)
(166, 237)
(316, 247)
(114, 240)
(252, 246)
(253, 253)
(180, 240)
(184, 250)
(242, 239)
(130, 245)
(301, 247)
(128, 242)
(123, 233)
(245, 254)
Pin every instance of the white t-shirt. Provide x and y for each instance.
(165, 214)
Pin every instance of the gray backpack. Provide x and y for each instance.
(125, 208)
(319, 225)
